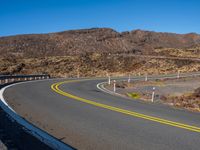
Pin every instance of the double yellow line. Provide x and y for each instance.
(55, 87)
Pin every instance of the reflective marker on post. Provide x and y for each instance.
(153, 93)
(114, 86)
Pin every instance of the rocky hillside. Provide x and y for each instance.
(98, 51)
(93, 40)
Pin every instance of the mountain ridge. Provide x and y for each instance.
(101, 40)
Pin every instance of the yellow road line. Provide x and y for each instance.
(55, 87)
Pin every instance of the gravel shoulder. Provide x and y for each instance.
(182, 92)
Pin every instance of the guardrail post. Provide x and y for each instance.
(153, 93)
(114, 86)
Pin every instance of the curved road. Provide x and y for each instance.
(84, 117)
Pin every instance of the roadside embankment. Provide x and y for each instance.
(182, 92)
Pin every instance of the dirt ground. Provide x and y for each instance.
(175, 92)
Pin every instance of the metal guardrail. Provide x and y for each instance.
(4, 79)
(41, 135)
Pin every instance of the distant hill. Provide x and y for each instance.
(100, 40)
(98, 52)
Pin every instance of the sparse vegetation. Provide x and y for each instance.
(94, 64)
(189, 101)
(134, 95)
(181, 93)
(193, 52)
(97, 52)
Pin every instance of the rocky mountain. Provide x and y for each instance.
(98, 52)
(100, 40)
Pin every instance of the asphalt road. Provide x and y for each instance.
(86, 126)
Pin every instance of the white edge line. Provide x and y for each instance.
(38, 133)
(101, 87)
(33, 130)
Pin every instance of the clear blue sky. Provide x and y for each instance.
(43, 16)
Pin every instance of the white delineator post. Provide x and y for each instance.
(146, 78)
(108, 80)
(78, 74)
(178, 74)
(114, 86)
(6, 81)
(129, 78)
(153, 94)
